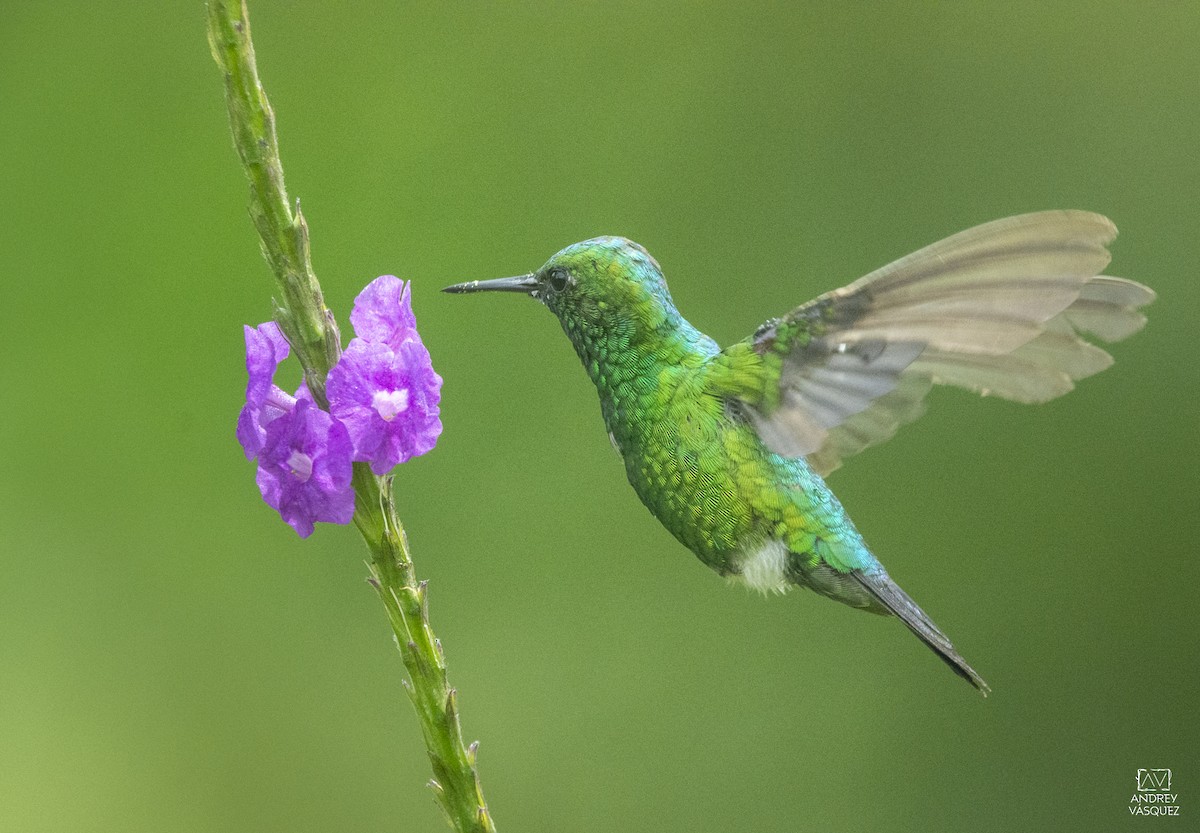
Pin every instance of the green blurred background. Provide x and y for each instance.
(172, 657)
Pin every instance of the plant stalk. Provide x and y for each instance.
(313, 335)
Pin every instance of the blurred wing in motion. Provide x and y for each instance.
(999, 309)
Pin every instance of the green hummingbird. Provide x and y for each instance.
(728, 447)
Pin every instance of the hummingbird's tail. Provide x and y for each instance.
(881, 587)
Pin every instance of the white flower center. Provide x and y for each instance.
(299, 465)
(390, 403)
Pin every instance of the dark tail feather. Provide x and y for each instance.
(889, 594)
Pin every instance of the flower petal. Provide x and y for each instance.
(383, 312)
(265, 349)
(249, 432)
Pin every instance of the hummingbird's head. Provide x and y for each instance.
(606, 284)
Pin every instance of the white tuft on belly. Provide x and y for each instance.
(765, 569)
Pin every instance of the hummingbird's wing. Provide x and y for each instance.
(996, 309)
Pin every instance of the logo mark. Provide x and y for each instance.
(1153, 780)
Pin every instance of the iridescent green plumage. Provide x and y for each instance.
(728, 447)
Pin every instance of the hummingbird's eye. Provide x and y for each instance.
(558, 278)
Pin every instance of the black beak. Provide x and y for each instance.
(521, 283)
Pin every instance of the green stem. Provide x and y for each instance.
(313, 335)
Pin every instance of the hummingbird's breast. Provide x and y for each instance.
(703, 471)
(675, 441)
(666, 430)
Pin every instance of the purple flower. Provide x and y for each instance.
(388, 401)
(304, 468)
(303, 453)
(384, 389)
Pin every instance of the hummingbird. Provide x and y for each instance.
(729, 447)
